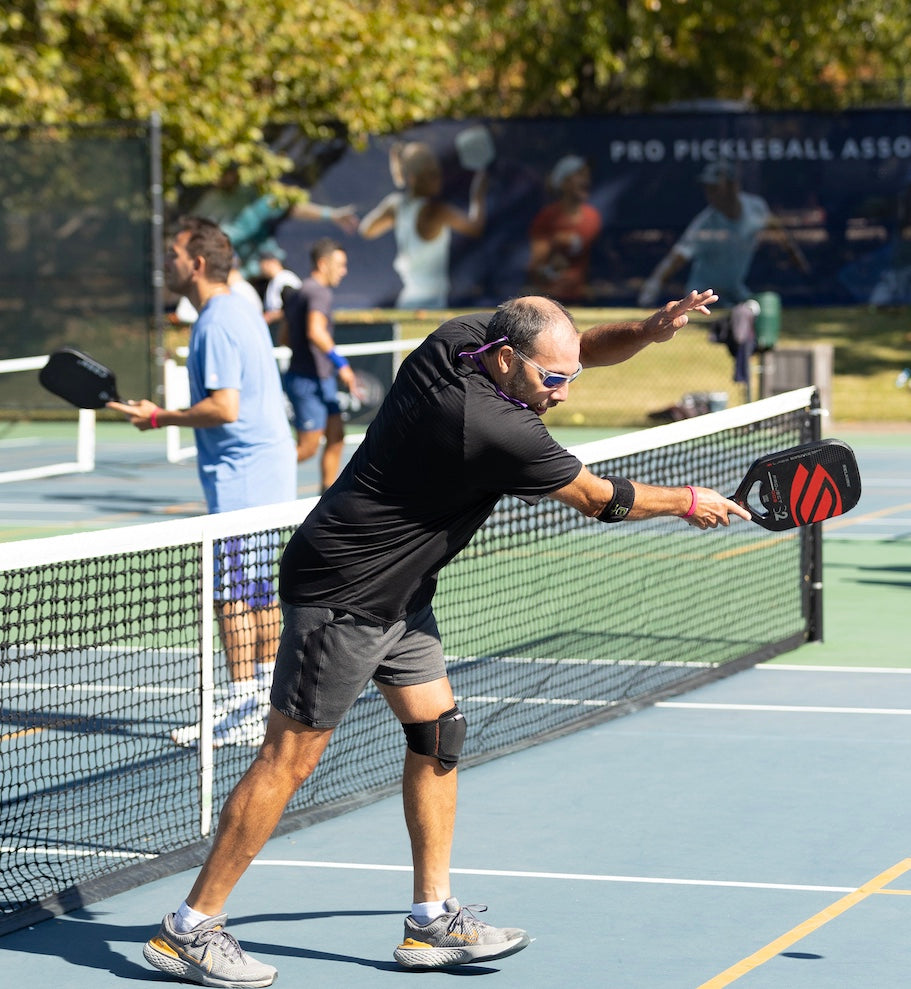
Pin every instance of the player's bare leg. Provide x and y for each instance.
(454, 936)
(288, 755)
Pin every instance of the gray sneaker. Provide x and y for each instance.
(208, 954)
(457, 938)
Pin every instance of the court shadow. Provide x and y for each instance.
(886, 583)
(314, 954)
(84, 940)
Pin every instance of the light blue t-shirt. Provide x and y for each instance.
(722, 248)
(252, 461)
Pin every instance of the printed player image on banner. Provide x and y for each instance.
(634, 210)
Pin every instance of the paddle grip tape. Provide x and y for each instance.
(443, 739)
(618, 508)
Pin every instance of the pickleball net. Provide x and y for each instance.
(550, 622)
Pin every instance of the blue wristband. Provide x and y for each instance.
(337, 359)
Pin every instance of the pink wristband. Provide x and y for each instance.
(693, 503)
(153, 417)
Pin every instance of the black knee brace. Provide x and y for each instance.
(442, 738)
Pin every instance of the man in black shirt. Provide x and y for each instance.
(316, 367)
(461, 426)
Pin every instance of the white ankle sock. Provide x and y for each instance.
(424, 913)
(186, 918)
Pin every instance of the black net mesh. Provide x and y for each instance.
(549, 620)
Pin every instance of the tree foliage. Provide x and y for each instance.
(222, 72)
(265, 83)
(585, 56)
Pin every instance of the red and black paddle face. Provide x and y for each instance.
(802, 485)
(80, 379)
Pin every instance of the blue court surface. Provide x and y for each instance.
(759, 823)
(753, 832)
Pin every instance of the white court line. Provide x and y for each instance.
(571, 876)
(540, 701)
(786, 667)
(789, 708)
(891, 522)
(21, 442)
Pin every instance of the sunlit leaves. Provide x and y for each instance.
(222, 72)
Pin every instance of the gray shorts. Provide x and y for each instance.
(326, 657)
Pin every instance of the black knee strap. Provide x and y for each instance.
(443, 739)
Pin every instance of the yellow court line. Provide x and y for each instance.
(763, 544)
(13, 735)
(758, 958)
(836, 523)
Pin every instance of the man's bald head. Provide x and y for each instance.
(524, 319)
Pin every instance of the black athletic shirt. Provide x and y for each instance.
(306, 358)
(442, 449)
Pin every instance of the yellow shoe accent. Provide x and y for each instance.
(159, 945)
(411, 943)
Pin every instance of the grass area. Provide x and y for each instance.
(870, 346)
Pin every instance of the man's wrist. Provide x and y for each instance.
(337, 359)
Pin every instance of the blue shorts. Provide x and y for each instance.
(245, 569)
(312, 399)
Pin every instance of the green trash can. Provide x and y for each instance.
(767, 324)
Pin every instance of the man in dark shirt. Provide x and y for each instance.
(461, 426)
(311, 381)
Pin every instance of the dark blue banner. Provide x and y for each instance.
(821, 204)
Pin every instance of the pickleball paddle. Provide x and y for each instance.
(79, 379)
(801, 485)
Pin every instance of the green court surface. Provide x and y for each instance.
(867, 562)
(866, 599)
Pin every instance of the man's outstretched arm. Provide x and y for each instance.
(612, 343)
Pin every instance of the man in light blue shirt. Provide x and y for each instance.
(245, 461)
(245, 458)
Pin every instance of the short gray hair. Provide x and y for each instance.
(521, 320)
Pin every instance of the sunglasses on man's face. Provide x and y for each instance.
(550, 379)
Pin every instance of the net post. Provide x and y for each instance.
(814, 537)
(176, 396)
(206, 683)
(85, 441)
(156, 231)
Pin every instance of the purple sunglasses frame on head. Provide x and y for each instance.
(473, 354)
(549, 379)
